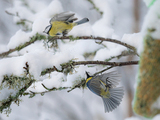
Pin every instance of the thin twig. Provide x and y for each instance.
(124, 53)
(17, 15)
(32, 93)
(94, 6)
(103, 70)
(81, 84)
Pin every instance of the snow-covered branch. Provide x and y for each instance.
(18, 48)
(42, 37)
(95, 38)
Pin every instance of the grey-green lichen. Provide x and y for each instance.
(17, 84)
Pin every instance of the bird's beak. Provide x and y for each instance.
(87, 74)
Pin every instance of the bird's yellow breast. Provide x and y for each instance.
(60, 26)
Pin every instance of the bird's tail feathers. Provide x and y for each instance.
(84, 20)
(116, 95)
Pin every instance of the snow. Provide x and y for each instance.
(39, 25)
(157, 117)
(109, 51)
(133, 118)
(19, 38)
(156, 104)
(38, 60)
(133, 39)
(102, 27)
(15, 66)
(152, 21)
(3, 48)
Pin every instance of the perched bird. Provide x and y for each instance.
(105, 86)
(63, 23)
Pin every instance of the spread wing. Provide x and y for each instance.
(94, 86)
(111, 78)
(64, 16)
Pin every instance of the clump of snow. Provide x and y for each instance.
(38, 60)
(157, 117)
(102, 27)
(135, 39)
(107, 53)
(79, 47)
(81, 30)
(19, 38)
(39, 25)
(54, 79)
(54, 7)
(152, 21)
(133, 118)
(11, 66)
(156, 104)
(76, 76)
(3, 48)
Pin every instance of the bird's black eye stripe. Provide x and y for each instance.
(66, 23)
(49, 29)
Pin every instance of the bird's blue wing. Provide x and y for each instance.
(64, 16)
(94, 86)
(111, 78)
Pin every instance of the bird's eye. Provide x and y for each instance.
(47, 29)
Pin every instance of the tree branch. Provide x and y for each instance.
(96, 38)
(105, 63)
(32, 40)
(73, 63)
(32, 93)
(17, 15)
(94, 7)
(40, 37)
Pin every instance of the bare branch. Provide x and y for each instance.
(103, 70)
(17, 15)
(106, 63)
(73, 63)
(94, 6)
(81, 84)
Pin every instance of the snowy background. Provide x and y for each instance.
(120, 20)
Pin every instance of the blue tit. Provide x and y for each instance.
(62, 23)
(104, 85)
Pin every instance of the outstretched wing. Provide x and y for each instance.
(94, 86)
(64, 16)
(111, 78)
